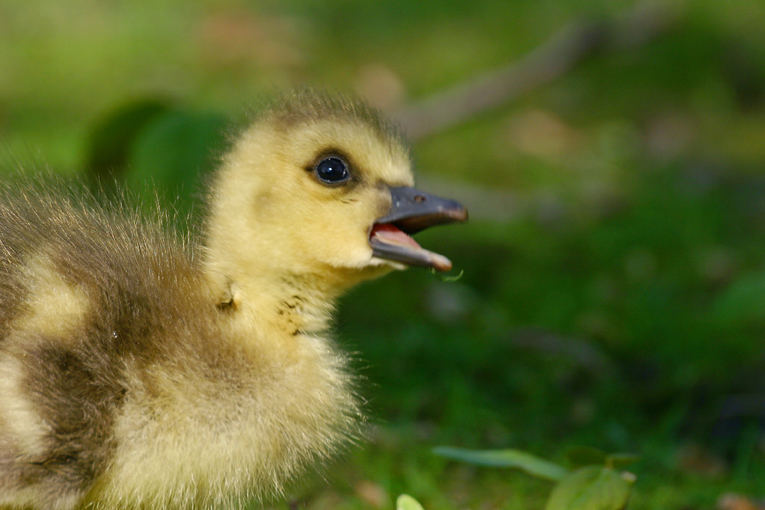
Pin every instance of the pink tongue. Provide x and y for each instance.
(391, 234)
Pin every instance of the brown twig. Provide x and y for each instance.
(549, 61)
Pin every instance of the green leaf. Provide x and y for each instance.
(448, 278)
(171, 155)
(591, 488)
(579, 456)
(406, 502)
(112, 136)
(620, 460)
(741, 302)
(506, 458)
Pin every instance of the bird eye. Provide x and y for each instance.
(332, 171)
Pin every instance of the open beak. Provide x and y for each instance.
(411, 211)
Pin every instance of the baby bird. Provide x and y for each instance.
(138, 370)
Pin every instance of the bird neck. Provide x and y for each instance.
(279, 303)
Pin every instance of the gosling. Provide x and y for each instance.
(139, 370)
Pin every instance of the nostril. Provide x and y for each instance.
(419, 198)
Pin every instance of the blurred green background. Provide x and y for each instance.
(614, 265)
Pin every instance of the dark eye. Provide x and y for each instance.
(332, 171)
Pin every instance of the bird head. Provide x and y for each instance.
(321, 185)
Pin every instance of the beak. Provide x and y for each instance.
(413, 210)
